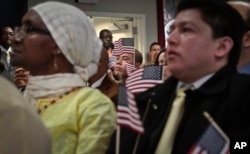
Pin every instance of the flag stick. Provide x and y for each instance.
(117, 147)
(118, 131)
(211, 120)
(162, 72)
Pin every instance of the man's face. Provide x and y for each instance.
(7, 36)
(107, 39)
(120, 66)
(191, 48)
(154, 51)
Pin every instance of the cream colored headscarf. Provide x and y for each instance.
(74, 35)
(77, 39)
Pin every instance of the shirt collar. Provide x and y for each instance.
(197, 84)
(3, 49)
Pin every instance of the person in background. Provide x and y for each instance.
(154, 50)
(60, 48)
(138, 59)
(6, 36)
(128, 57)
(21, 129)
(102, 81)
(243, 8)
(106, 36)
(203, 52)
(162, 60)
(125, 58)
(107, 39)
(17, 75)
(120, 69)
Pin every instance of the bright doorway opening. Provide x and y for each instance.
(122, 26)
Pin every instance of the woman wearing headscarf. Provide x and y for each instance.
(59, 47)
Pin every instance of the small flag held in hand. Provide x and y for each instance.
(213, 140)
(144, 78)
(128, 115)
(124, 45)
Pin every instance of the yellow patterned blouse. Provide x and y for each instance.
(80, 122)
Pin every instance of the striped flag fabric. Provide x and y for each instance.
(130, 68)
(138, 81)
(127, 111)
(211, 141)
(144, 78)
(123, 45)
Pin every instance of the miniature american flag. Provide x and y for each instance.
(144, 78)
(210, 142)
(213, 140)
(130, 68)
(127, 111)
(124, 45)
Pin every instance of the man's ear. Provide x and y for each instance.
(246, 40)
(224, 45)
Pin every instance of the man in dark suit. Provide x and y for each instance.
(6, 36)
(102, 81)
(203, 51)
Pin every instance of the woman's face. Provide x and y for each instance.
(161, 59)
(33, 45)
(154, 51)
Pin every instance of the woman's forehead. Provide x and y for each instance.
(32, 17)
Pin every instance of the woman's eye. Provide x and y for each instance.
(29, 28)
(186, 29)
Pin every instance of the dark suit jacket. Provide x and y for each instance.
(226, 96)
(109, 87)
(2, 67)
(8, 71)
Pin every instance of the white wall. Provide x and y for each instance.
(146, 7)
(103, 22)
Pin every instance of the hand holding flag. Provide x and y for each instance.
(112, 61)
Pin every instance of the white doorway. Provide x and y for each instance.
(122, 26)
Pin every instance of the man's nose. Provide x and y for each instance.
(119, 61)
